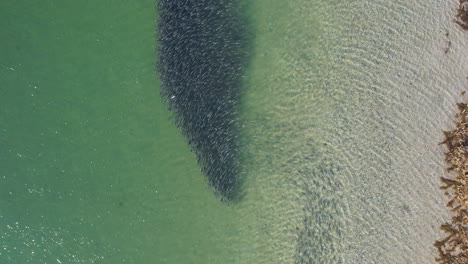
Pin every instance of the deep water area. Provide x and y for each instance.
(202, 56)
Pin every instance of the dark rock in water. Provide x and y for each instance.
(202, 47)
(462, 14)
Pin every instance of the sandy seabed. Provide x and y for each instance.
(343, 117)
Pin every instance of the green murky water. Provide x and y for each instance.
(92, 168)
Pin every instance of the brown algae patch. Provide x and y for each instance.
(454, 248)
(462, 14)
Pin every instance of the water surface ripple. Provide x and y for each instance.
(345, 102)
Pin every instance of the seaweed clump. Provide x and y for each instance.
(462, 14)
(454, 248)
(202, 56)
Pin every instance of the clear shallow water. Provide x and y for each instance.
(342, 110)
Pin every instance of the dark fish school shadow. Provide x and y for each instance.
(202, 53)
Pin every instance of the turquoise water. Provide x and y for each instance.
(339, 157)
